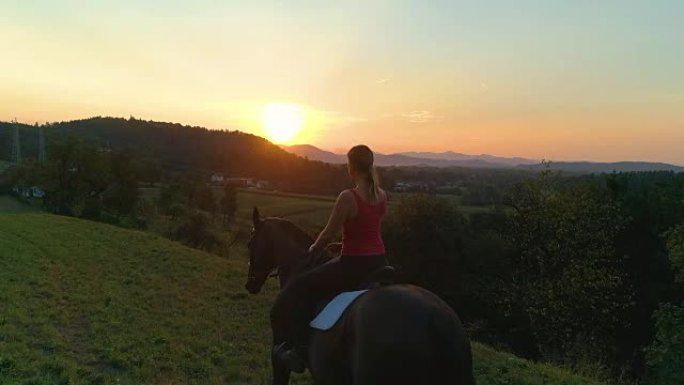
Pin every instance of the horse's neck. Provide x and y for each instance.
(287, 266)
(295, 265)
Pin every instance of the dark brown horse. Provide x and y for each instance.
(397, 334)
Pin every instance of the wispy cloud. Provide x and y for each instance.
(420, 116)
(383, 81)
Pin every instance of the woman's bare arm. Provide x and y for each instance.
(340, 213)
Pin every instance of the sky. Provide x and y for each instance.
(562, 80)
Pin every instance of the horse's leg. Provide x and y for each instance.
(280, 328)
(281, 374)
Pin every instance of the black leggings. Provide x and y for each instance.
(295, 305)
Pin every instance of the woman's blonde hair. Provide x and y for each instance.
(361, 160)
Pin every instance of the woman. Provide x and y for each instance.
(358, 213)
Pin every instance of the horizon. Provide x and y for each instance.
(342, 151)
(579, 82)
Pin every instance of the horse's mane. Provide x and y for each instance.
(297, 233)
(302, 236)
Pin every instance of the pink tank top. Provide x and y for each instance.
(361, 234)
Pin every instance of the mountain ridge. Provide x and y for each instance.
(455, 159)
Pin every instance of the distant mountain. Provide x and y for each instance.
(315, 153)
(596, 167)
(399, 160)
(454, 159)
(450, 155)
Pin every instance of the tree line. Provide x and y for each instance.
(576, 271)
(106, 185)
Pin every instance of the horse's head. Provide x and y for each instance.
(261, 257)
(275, 243)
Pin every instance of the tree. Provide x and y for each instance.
(665, 356)
(122, 193)
(203, 198)
(424, 236)
(229, 204)
(567, 275)
(171, 198)
(74, 178)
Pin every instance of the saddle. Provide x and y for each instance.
(333, 310)
(379, 277)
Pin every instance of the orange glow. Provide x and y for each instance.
(282, 122)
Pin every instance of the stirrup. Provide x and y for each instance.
(290, 357)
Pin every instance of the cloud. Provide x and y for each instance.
(420, 116)
(383, 81)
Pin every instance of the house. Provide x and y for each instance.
(217, 179)
(29, 191)
(239, 182)
(262, 184)
(412, 186)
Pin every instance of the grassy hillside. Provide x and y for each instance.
(88, 303)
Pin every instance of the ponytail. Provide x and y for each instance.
(361, 160)
(373, 184)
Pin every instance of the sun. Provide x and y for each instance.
(282, 121)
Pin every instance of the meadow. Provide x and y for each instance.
(89, 303)
(311, 212)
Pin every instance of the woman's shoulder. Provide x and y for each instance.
(347, 195)
(383, 195)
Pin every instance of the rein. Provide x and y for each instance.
(311, 261)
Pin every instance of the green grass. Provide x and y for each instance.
(310, 212)
(88, 303)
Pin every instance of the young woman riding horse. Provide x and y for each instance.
(358, 213)
(392, 335)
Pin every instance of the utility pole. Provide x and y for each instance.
(16, 147)
(41, 144)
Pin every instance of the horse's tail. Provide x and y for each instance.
(454, 357)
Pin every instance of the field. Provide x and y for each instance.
(88, 303)
(309, 211)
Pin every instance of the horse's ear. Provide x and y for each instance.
(256, 220)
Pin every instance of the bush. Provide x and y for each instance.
(424, 237)
(197, 230)
(665, 357)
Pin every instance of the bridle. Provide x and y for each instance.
(260, 270)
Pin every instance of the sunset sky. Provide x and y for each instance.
(564, 80)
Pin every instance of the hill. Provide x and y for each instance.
(179, 149)
(89, 303)
(453, 159)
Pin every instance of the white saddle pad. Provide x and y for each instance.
(332, 312)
